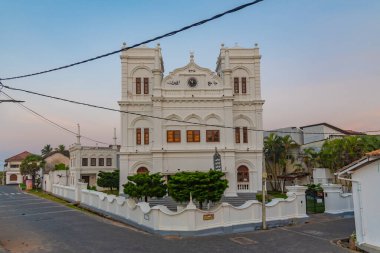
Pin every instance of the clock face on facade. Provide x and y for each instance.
(192, 82)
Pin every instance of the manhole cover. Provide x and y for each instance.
(313, 232)
(243, 240)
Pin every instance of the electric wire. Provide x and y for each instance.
(50, 121)
(160, 118)
(238, 8)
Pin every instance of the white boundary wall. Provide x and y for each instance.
(68, 192)
(160, 218)
(336, 201)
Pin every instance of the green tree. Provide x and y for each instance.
(2, 174)
(337, 153)
(46, 150)
(145, 185)
(30, 166)
(61, 166)
(203, 186)
(109, 179)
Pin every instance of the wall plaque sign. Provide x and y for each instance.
(208, 216)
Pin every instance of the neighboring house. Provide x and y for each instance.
(294, 132)
(310, 136)
(322, 131)
(12, 168)
(365, 177)
(50, 176)
(322, 176)
(87, 162)
(54, 158)
(229, 97)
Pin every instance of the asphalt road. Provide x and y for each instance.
(31, 224)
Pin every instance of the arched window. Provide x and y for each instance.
(142, 170)
(13, 177)
(242, 174)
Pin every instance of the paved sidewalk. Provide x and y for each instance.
(31, 224)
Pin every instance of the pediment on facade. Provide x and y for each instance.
(204, 78)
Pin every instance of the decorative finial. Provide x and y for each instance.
(256, 45)
(114, 136)
(78, 134)
(158, 44)
(124, 44)
(222, 45)
(191, 56)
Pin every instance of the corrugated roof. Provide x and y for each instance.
(18, 157)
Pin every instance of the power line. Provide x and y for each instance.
(156, 117)
(141, 43)
(50, 121)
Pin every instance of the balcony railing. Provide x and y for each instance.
(243, 187)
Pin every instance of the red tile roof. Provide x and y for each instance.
(19, 157)
(374, 153)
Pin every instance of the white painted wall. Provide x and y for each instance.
(8, 176)
(336, 201)
(367, 204)
(190, 218)
(68, 192)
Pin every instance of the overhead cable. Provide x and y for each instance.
(138, 44)
(52, 122)
(156, 117)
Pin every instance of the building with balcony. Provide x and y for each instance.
(175, 122)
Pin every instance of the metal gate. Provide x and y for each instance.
(315, 202)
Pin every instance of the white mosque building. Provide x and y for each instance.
(194, 102)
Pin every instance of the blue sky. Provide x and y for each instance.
(319, 59)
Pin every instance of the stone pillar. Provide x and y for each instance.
(78, 190)
(157, 72)
(228, 166)
(191, 215)
(300, 201)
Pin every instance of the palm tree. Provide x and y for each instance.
(61, 148)
(46, 150)
(273, 151)
(277, 155)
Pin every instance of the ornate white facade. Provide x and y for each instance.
(229, 97)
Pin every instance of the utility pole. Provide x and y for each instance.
(264, 192)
